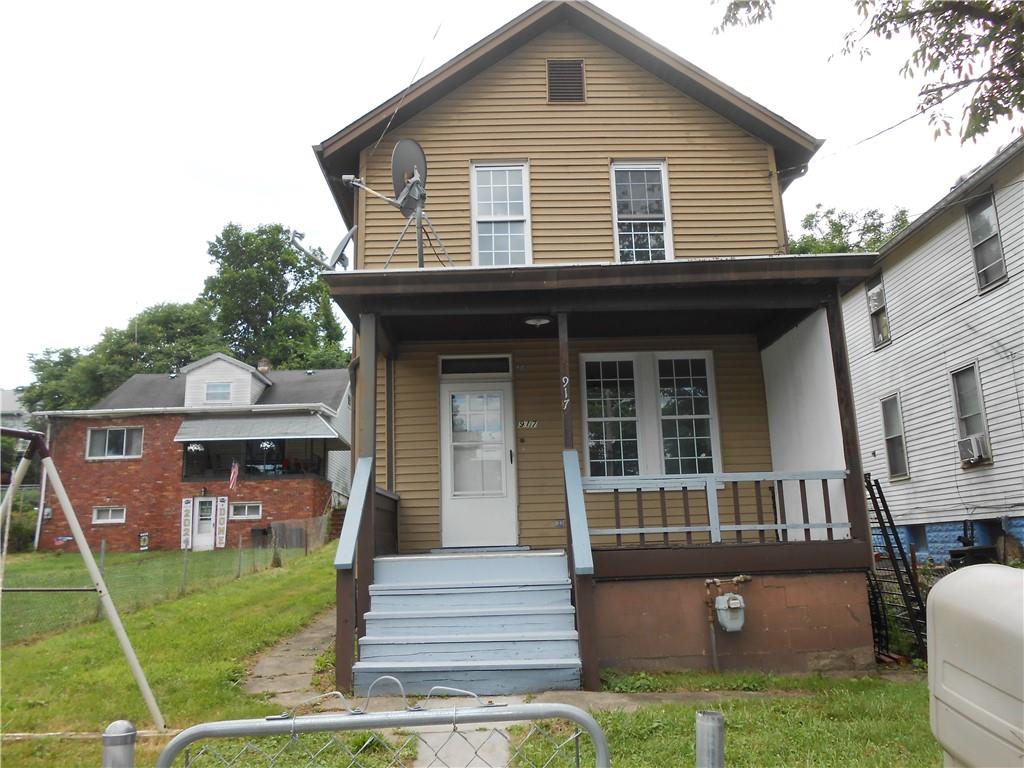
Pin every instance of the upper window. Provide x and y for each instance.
(115, 443)
(102, 515)
(876, 307)
(246, 510)
(566, 81)
(501, 215)
(218, 391)
(970, 411)
(895, 442)
(643, 231)
(988, 252)
(649, 414)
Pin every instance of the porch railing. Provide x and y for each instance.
(362, 537)
(747, 507)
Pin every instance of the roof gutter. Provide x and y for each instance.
(99, 413)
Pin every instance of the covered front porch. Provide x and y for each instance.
(656, 421)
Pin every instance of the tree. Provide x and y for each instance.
(959, 45)
(269, 301)
(159, 339)
(827, 230)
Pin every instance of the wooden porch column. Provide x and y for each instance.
(856, 506)
(583, 584)
(366, 447)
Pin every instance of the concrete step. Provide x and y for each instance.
(430, 597)
(467, 648)
(445, 623)
(470, 567)
(486, 678)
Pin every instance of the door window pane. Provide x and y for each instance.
(478, 443)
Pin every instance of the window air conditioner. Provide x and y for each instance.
(973, 449)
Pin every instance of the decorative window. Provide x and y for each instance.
(649, 414)
(108, 515)
(988, 251)
(643, 230)
(218, 391)
(895, 442)
(970, 410)
(501, 215)
(246, 510)
(876, 308)
(566, 81)
(115, 443)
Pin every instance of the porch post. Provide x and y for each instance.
(856, 506)
(583, 584)
(366, 445)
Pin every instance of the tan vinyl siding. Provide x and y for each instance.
(723, 198)
(741, 408)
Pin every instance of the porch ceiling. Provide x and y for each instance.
(764, 295)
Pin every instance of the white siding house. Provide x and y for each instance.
(946, 319)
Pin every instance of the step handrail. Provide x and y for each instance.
(579, 530)
(345, 556)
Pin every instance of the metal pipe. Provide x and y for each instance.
(101, 587)
(119, 745)
(710, 746)
(42, 496)
(7, 507)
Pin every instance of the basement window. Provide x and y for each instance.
(108, 515)
(566, 81)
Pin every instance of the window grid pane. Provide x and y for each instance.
(501, 243)
(639, 194)
(685, 404)
(611, 419)
(892, 429)
(641, 241)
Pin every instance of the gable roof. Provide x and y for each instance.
(159, 390)
(961, 192)
(227, 359)
(339, 154)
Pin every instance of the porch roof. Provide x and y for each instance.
(276, 427)
(763, 294)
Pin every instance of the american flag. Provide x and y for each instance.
(233, 480)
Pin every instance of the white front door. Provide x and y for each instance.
(203, 528)
(478, 474)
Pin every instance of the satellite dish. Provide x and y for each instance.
(408, 164)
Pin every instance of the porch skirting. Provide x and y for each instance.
(793, 623)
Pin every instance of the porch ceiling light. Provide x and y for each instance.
(538, 321)
(196, 447)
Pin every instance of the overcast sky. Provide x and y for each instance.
(133, 132)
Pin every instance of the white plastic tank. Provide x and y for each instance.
(976, 666)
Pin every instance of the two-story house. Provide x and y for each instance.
(198, 458)
(936, 340)
(621, 387)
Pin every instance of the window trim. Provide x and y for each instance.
(885, 310)
(142, 443)
(903, 435)
(999, 239)
(233, 516)
(642, 165)
(981, 400)
(650, 443)
(475, 219)
(122, 521)
(206, 392)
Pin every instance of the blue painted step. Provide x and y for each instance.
(469, 621)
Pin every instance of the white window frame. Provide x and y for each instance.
(475, 218)
(648, 413)
(110, 508)
(233, 516)
(981, 399)
(206, 392)
(999, 239)
(642, 165)
(885, 436)
(132, 456)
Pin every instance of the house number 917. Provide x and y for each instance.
(528, 424)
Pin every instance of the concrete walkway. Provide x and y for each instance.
(286, 670)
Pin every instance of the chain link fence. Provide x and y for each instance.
(433, 733)
(137, 579)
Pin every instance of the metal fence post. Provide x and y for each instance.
(103, 557)
(184, 572)
(710, 740)
(238, 570)
(119, 745)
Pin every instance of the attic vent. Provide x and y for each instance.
(565, 80)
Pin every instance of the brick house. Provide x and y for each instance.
(150, 465)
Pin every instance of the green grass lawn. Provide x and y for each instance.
(135, 580)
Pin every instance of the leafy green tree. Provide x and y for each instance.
(828, 230)
(269, 301)
(975, 45)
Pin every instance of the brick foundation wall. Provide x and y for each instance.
(151, 489)
(797, 623)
